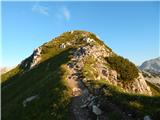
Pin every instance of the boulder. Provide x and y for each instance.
(62, 46)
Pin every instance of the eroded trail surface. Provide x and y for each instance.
(79, 91)
(86, 106)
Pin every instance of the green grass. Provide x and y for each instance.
(48, 83)
(11, 73)
(114, 116)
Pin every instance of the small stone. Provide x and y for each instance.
(76, 91)
(83, 106)
(62, 45)
(96, 110)
(147, 117)
(98, 105)
(29, 99)
(91, 104)
(129, 115)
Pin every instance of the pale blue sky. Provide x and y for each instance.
(129, 28)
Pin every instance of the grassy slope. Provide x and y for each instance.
(46, 82)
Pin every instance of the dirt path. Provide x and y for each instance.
(80, 94)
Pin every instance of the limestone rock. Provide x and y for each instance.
(139, 85)
(62, 46)
(33, 60)
(29, 99)
(76, 91)
(147, 118)
(96, 110)
(36, 57)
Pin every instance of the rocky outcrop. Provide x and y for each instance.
(64, 45)
(83, 101)
(88, 40)
(138, 85)
(33, 60)
(36, 57)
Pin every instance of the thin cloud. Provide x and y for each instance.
(40, 9)
(63, 13)
(66, 13)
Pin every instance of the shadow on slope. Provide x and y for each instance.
(47, 81)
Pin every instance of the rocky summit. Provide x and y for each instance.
(77, 77)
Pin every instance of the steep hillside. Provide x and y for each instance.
(76, 76)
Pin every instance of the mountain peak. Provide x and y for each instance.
(152, 65)
(72, 39)
(84, 47)
(76, 65)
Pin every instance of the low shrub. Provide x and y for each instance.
(126, 69)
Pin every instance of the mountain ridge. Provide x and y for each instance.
(71, 71)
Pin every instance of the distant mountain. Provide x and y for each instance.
(152, 66)
(75, 76)
(151, 71)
